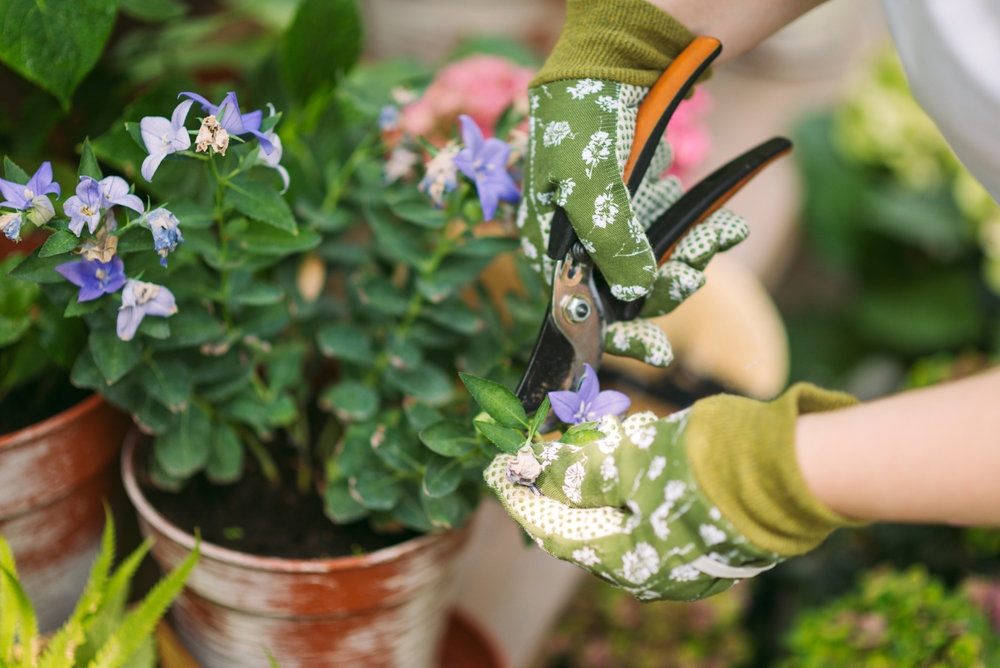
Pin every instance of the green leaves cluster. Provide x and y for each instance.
(99, 633)
(895, 619)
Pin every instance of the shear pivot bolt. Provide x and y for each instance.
(577, 309)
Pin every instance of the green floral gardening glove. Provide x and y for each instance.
(583, 107)
(680, 507)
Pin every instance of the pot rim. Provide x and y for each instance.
(251, 561)
(39, 430)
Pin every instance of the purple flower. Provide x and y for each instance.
(485, 162)
(92, 197)
(232, 121)
(588, 403)
(94, 277)
(21, 197)
(163, 137)
(31, 198)
(140, 299)
(166, 233)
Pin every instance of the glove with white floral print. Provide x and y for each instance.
(580, 136)
(681, 507)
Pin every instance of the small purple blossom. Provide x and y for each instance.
(388, 118)
(232, 120)
(95, 278)
(166, 233)
(92, 197)
(588, 403)
(140, 299)
(440, 175)
(32, 198)
(273, 159)
(21, 196)
(163, 137)
(485, 162)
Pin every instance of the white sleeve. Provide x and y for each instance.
(951, 53)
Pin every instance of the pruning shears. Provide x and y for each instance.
(572, 332)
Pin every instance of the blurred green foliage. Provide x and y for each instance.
(895, 620)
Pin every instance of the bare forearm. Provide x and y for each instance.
(924, 456)
(738, 24)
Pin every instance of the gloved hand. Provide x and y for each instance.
(680, 507)
(583, 107)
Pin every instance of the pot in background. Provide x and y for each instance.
(386, 609)
(55, 477)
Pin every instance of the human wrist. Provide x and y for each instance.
(743, 454)
(627, 41)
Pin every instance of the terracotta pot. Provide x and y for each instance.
(54, 479)
(385, 609)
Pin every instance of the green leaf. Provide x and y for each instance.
(262, 203)
(169, 382)
(38, 269)
(14, 173)
(340, 505)
(487, 247)
(139, 625)
(508, 440)
(76, 308)
(135, 239)
(395, 242)
(420, 416)
(409, 511)
(540, 415)
(113, 357)
(420, 213)
(190, 327)
(55, 43)
(454, 316)
(155, 328)
(442, 476)
(320, 46)
(58, 243)
(404, 353)
(398, 449)
(153, 10)
(18, 606)
(446, 512)
(85, 373)
(335, 221)
(258, 294)
(88, 163)
(183, 450)
(380, 295)
(11, 329)
(9, 602)
(225, 456)
(428, 383)
(269, 240)
(449, 438)
(454, 274)
(375, 488)
(347, 342)
(500, 403)
(351, 401)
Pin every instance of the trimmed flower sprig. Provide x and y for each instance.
(508, 427)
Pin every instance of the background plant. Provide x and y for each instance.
(99, 632)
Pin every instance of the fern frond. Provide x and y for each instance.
(141, 622)
(271, 659)
(8, 606)
(27, 622)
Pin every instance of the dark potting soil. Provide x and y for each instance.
(38, 401)
(250, 516)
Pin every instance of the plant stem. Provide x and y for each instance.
(267, 464)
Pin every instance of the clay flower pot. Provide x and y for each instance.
(54, 479)
(388, 608)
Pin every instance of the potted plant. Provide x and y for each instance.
(290, 364)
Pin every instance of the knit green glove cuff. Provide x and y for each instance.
(742, 453)
(628, 41)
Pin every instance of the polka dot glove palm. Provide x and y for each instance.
(628, 508)
(580, 136)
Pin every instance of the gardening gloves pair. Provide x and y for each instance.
(583, 106)
(681, 507)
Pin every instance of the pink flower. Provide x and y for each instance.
(688, 134)
(479, 86)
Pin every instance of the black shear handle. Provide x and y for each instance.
(693, 207)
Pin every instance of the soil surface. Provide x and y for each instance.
(250, 516)
(39, 401)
